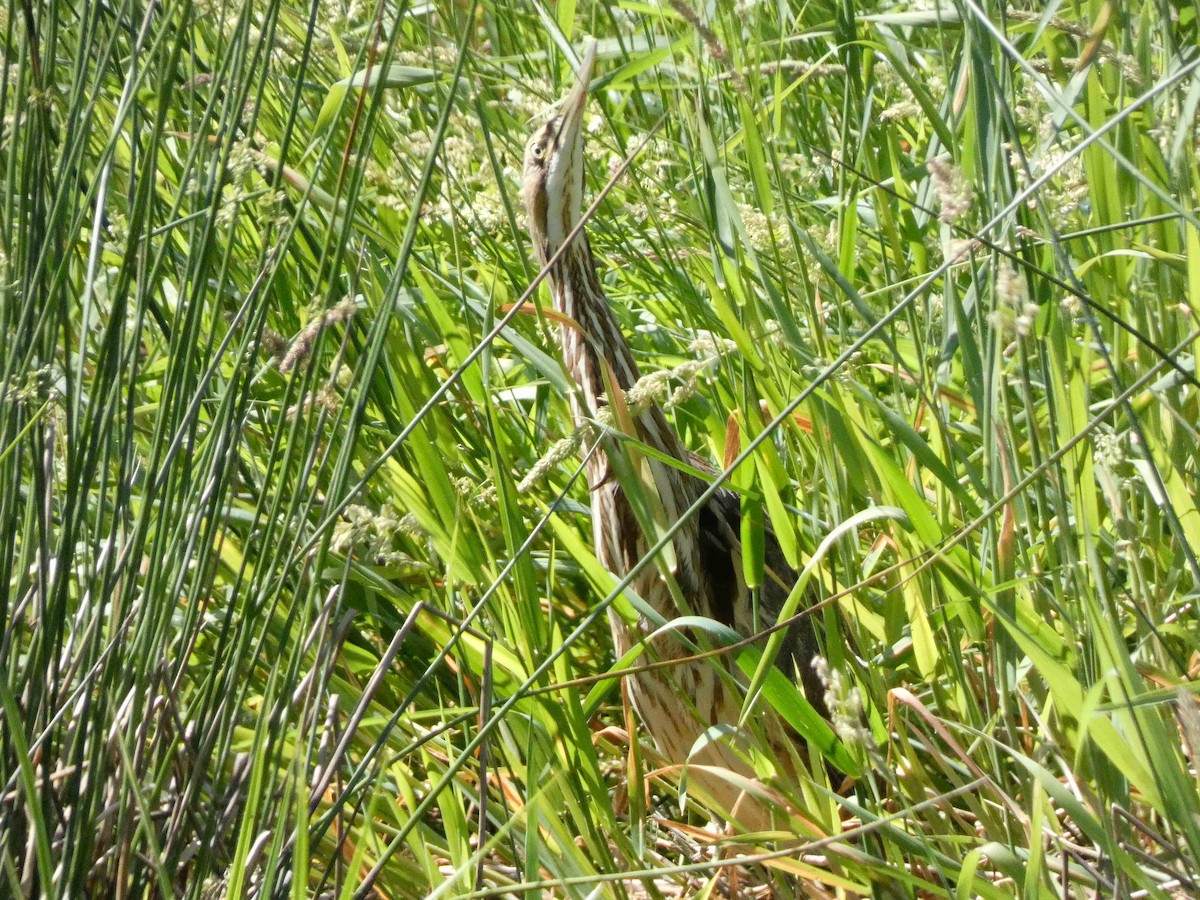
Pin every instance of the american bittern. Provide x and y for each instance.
(675, 703)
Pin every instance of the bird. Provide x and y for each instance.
(678, 703)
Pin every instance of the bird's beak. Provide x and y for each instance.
(573, 104)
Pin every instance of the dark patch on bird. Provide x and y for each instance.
(718, 562)
(604, 479)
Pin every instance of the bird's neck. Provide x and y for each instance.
(597, 345)
(590, 351)
(598, 341)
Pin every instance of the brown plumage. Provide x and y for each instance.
(678, 703)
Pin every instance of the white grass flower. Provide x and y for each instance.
(845, 706)
(706, 343)
(952, 189)
(242, 158)
(303, 343)
(1108, 450)
(905, 109)
(757, 225)
(228, 210)
(1011, 289)
(559, 451)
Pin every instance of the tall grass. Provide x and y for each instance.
(296, 588)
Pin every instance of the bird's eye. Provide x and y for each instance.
(537, 150)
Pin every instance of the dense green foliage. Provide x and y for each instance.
(297, 592)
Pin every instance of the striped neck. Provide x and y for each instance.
(598, 340)
(578, 295)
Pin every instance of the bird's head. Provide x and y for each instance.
(552, 188)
